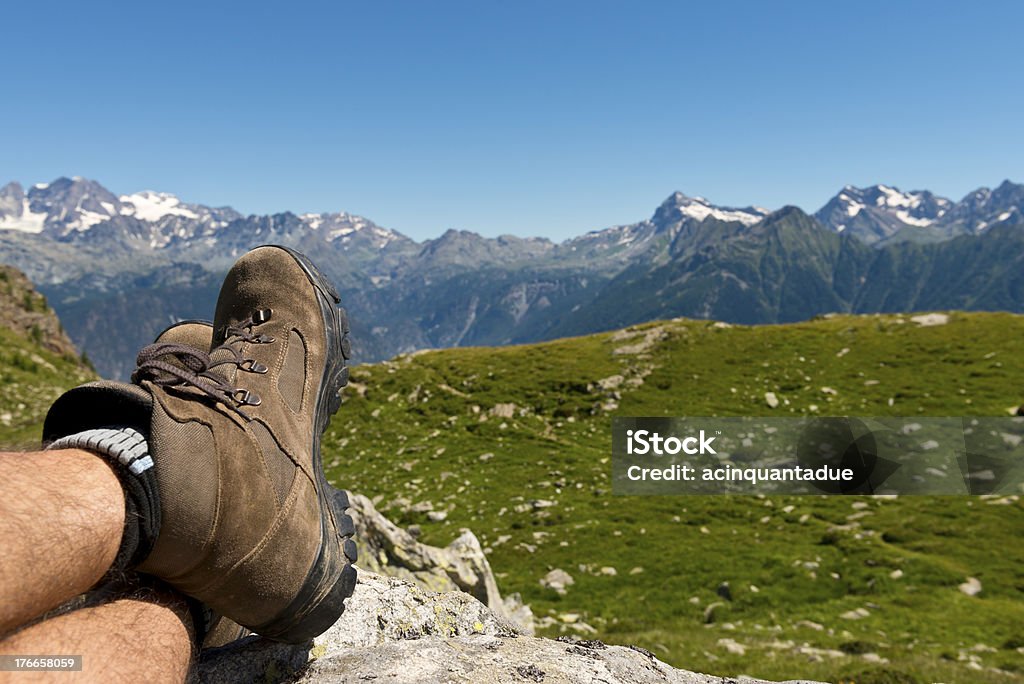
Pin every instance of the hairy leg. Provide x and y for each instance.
(61, 519)
(148, 638)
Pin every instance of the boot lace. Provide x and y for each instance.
(195, 368)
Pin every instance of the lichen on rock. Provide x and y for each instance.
(394, 631)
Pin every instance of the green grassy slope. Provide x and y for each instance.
(37, 361)
(31, 377)
(514, 443)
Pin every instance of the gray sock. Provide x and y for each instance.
(127, 451)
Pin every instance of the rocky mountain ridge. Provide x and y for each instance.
(135, 263)
(78, 210)
(882, 214)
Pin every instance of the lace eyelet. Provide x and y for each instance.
(253, 366)
(246, 398)
(261, 316)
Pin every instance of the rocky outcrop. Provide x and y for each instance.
(396, 632)
(26, 312)
(437, 617)
(388, 549)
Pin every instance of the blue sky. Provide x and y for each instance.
(531, 118)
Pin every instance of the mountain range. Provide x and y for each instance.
(119, 268)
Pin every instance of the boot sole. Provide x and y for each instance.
(332, 578)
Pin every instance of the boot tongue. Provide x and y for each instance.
(229, 352)
(225, 356)
(180, 355)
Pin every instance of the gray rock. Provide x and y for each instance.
(394, 631)
(972, 587)
(709, 612)
(388, 549)
(503, 410)
(381, 610)
(558, 580)
(484, 658)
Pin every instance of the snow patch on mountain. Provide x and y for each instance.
(23, 220)
(699, 208)
(87, 219)
(852, 206)
(314, 221)
(892, 197)
(152, 206)
(627, 236)
(912, 220)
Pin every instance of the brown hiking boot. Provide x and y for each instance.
(247, 521)
(219, 630)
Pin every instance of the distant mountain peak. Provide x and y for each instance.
(680, 206)
(788, 212)
(12, 188)
(16, 211)
(983, 208)
(880, 213)
(1008, 186)
(877, 212)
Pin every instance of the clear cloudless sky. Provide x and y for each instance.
(532, 118)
